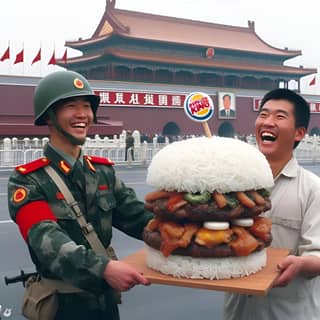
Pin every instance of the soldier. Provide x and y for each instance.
(59, 246)
(129, 145)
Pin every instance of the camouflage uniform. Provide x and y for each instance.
(57, 246)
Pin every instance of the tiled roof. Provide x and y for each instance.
(138, 25)
(201, 62)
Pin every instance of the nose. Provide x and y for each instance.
(82, 111)
(268, 121)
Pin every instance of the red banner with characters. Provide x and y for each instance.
(314, 106)
(140, 99)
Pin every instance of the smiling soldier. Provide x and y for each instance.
(65, 205)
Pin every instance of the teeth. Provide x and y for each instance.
(268, 136)
(79, 125)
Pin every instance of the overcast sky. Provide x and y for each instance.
(30, 24)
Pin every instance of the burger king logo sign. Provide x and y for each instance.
(198, 106)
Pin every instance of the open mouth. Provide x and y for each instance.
(268, 136)
(79, 125)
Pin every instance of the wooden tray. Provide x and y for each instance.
(255, 284)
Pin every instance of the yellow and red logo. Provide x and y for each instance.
(19, 195)
(78, 83)
(198, 106)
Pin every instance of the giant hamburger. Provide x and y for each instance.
(208, 200)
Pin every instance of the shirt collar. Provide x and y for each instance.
(290, 170)
(60, 158)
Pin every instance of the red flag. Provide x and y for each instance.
(313, 81)
(64, 57)
(37, 57)
(19, 57)
(52, 59)
(6, 55)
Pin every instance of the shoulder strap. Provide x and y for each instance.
(86, 228)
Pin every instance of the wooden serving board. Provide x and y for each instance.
(255, 284)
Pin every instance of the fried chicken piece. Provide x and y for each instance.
(245, 243)
(261, 228)
(174, 235)
(153, 224)
(258, 198)
(189, 231)
(171, 229)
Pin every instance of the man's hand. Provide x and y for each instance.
(291, 266)
(121, 276)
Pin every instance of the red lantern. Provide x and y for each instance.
(209, 53)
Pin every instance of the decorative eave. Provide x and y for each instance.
(81, 43)
(109, 16)
(108, 25)
(187, 61)
(132, 25)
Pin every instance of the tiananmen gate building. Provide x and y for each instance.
(144, 65)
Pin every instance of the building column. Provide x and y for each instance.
(131, 74)
(112, 72)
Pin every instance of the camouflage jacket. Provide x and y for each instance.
(55, 241)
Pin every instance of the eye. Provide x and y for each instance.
(263, 114)
(281, 116)
(70, 105)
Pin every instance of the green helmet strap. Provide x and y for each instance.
(71, 138)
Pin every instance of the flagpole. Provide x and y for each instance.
(23, 58)
(65, 58)
(41, 59)
(9, 62)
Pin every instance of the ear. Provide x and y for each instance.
(300, 133)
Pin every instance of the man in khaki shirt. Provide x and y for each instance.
(281, 124)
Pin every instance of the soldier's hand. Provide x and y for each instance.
(121, 276)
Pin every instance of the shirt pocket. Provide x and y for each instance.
(105, 200)
(287, 223)
(286, 233)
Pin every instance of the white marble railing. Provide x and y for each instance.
(14, 152)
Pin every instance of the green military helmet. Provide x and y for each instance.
(60, 85)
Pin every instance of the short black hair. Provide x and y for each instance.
(301, 108)
(300, 105)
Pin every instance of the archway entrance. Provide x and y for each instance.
(171, 129)
(226, 130)
(315, 131)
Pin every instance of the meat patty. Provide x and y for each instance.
(205, 212)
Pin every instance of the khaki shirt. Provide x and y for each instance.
(295, 218)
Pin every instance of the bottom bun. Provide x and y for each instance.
(205, 268)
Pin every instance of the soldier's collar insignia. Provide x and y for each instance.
(64, 166)
(19, 195)
(89, 163)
